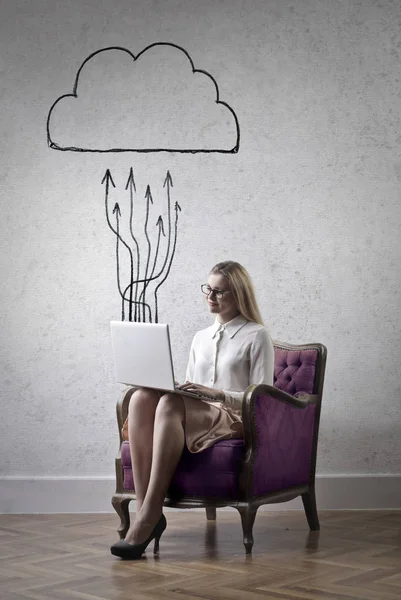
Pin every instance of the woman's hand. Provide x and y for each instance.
(212, 393)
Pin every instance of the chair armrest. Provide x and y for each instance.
(278, 434)
(255, 390)
(122, 409)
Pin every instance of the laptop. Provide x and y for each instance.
(142, 356)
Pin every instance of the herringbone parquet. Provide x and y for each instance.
(355, 556)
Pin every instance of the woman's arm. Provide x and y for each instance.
(191, 362)
(261, 369)
(262, 359)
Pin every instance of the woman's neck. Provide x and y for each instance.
(223, 319)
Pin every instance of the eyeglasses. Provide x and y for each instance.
(206, 289)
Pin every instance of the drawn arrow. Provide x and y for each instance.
(131, 180)
(160, 225)
(177, 209)
(107, 179)
(149, 200)
(132, 187)
(117, 212)
(169, 182)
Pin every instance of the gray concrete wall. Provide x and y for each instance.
(310, 205)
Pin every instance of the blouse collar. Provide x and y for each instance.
(232, 327)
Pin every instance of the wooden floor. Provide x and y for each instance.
(356, 555)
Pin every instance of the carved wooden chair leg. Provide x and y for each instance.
(211, 513)
(309, 502)
(120, 505)
(248, 515)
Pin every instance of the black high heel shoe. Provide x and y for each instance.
(134, 551)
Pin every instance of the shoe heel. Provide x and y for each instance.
(156, 546)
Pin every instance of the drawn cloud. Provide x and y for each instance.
(153, 102)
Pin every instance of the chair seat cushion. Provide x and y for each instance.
(212, 473)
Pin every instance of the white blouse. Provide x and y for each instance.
(231, 357)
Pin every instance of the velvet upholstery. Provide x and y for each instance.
(294, 370)
(275, 461)
(193, 475)
(283, 455)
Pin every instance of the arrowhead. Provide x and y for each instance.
(168, 180)
(107, 177)
(131, 180)
(177, 207)
(117, 210)
(161, 224)
(148, 194)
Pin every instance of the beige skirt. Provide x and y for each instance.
(206, 422)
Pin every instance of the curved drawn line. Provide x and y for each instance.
(169, 180)
(122, 294)
(143, 281)
(132, 187)
(74, 94)
(117, 210)
(120, 238)
(148, 201)
(118, 279)
(161, 230)
(170, 263)
(143, 304)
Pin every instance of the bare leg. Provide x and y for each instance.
(168, 443)
(141, 413)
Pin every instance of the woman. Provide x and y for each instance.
(225, 359)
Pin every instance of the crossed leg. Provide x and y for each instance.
(156, 434)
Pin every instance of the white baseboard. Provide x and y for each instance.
(32, 495)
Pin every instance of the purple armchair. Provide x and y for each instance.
(275, 462)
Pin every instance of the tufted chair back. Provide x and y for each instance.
(294, 370)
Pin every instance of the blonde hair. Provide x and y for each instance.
(242, 289)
